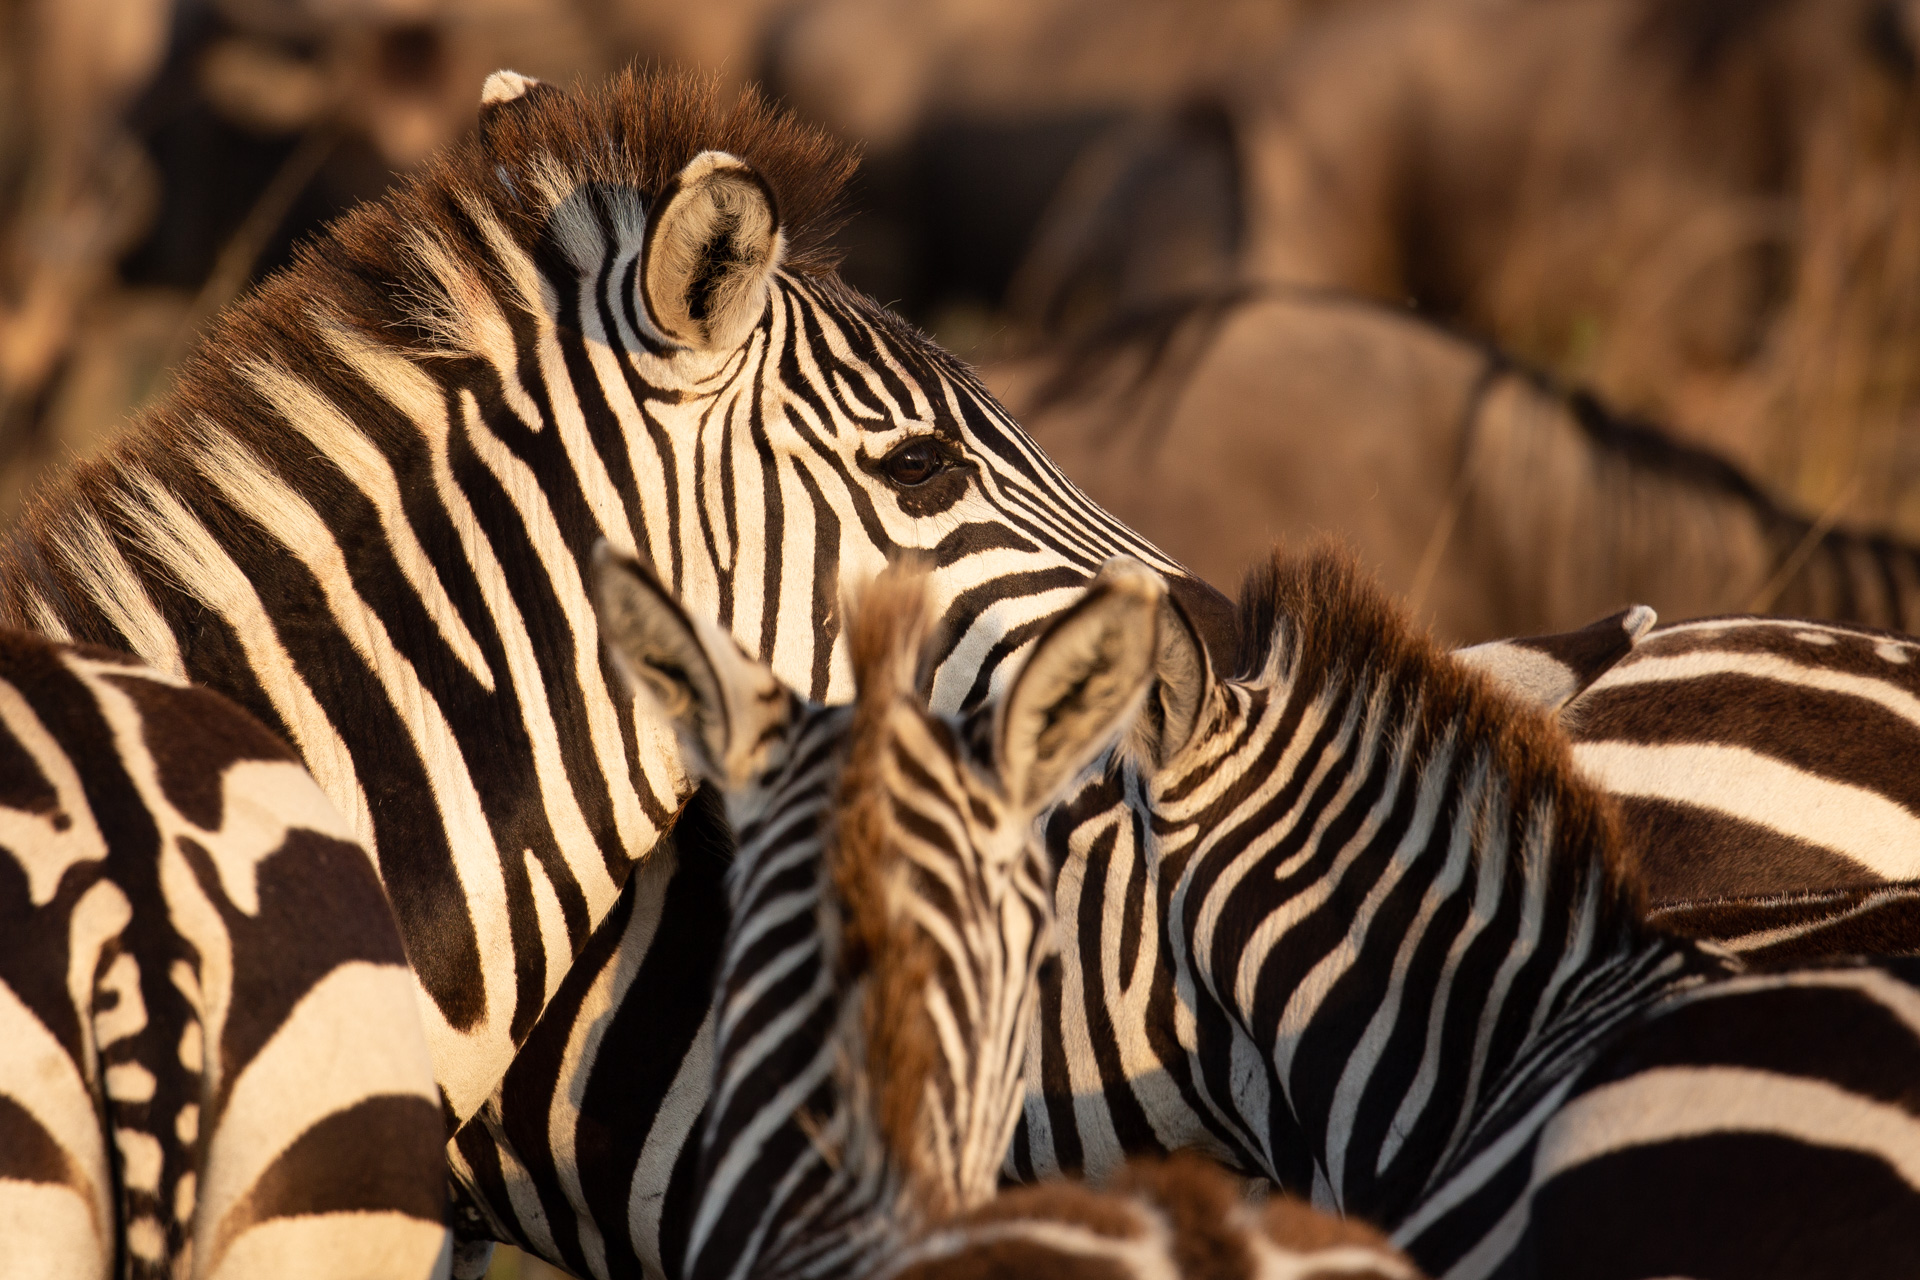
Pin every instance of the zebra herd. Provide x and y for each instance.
(1095, 871)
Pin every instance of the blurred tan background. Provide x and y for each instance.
(1704, 209)
(1707, 211)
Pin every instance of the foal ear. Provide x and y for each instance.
(1079, 689)
(712, 245)
(1183, 677)
(688, 671)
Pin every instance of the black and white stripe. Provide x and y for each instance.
(1770, 769)
(890, 915)
(210, 1059)
(1389, 954)
(366, 514)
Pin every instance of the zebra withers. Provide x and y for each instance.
(212, 1060)
(1400, 965)
(890, 918)
(365, 514)
(1771, 771)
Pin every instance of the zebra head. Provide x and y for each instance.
(891, 909)
(763, 433)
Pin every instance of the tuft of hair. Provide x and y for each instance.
(886, 632)
(1322, 623)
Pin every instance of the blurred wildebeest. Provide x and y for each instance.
(1493, 501)
(1709, 210)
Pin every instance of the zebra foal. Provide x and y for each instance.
(890, 918)
(1389, 952)
(212, 1064)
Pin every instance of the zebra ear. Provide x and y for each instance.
(1551, 672)
(1183, 677)
(691, 673)
(713, 243)
(1079, 688)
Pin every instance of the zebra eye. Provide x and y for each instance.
(913, 463)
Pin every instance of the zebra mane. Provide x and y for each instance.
(638, 131)
(1321, 623)
(885, 635)
(396, 268)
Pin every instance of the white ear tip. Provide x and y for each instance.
(505, 86)
(1639, 620)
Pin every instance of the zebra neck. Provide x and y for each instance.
(376, 555)
(1388, 936)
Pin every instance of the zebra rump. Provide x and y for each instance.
(213, 1063)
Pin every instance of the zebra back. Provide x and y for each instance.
(213, 1061)
(1768, 767)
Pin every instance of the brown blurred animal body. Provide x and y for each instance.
(1493, 502)
(1703, 209)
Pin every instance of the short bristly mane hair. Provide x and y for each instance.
(885, 634)
(1323, 624)
(634, 134)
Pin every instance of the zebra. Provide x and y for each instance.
(1383, 946)
(213, 1064)
(1766, 765)
(365, 514)
(890, 917)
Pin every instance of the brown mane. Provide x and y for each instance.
(884, 637)
(1330, 624)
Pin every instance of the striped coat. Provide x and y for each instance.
(212, 1062)
(1770, 772)
(890, 918)
(1383, 945)
(366, 512)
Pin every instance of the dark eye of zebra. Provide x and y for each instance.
(914, 463)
